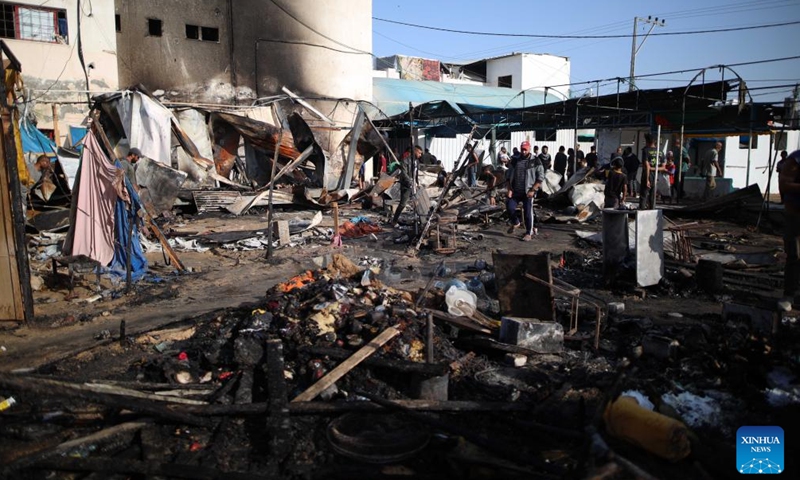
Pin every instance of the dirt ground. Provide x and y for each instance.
(73, 339)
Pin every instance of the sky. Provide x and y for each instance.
(598, 59)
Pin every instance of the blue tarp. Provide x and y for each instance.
(76, 135)
(122, 217)
(34, 141)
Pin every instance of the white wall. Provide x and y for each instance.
(56, 66)
(501, 67)
(735, 160)
(543, 70)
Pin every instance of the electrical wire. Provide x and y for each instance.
(290, 14)
(523, 35)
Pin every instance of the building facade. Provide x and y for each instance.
(44, 36)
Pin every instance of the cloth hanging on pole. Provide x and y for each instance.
(100, 185)
(121, 219)
(148, 126)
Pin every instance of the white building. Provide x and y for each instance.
(44, 38)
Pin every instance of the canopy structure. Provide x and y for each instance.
(707, 111)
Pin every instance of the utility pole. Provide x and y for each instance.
(654, 22)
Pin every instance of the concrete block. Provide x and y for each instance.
(282, 232)
(544, 337)
(515, 359)
(616, 307)
(660, 346)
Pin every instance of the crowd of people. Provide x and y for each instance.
(653, 176)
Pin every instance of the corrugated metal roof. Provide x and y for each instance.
(392, 96)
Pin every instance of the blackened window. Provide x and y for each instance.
(7, 27)
(205, 34)
(192, 32)
(504, 81)
(117, 23)
(154, 27)
(210, 34)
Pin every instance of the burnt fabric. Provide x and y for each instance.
(93, 230)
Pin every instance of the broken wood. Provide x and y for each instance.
(278, 421)
(64, 448)
(347, 365)
(148, 469)
(44, 387)
(404, 366)
(246, 202)
(329, 408)
(466, 323)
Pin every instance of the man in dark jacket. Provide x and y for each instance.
(649, 167)
(524, 180)
(407, 171)
(544, 157)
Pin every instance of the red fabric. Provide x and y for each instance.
(354, 230)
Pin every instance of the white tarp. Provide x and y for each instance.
(147, 125)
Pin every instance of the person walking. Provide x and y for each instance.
(525, 178)
(545, 158)
(789, 187)
(649, 167)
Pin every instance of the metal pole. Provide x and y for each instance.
(658, 151)
(749, 150)
(271, 227)
(633, 54)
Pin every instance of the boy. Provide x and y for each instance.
(616, 185)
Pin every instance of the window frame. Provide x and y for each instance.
(200, 37)
(54, 12)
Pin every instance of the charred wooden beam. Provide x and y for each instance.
(278, 420)
(396, 365)
(136, 467)
(52, 388)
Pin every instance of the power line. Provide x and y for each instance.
(522, 35)
(290, 14)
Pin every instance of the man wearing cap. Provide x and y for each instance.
(129, 165)
(789, 187)
(525, 178)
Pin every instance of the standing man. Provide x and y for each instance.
(709, 168)
(591, 157)
(406, 177)
(544, 157)
(630, 163)
(525, 178)
(472, 167)
(789, 187)
(616, 185)
(560, 163)
(129, 165)
(649, 167)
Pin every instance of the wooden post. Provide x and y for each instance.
(272, 187)
(56, 136)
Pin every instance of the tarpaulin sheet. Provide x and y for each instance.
(34, 141)
(122, 217)
(93, 229)
(76, 135)
(147, 124)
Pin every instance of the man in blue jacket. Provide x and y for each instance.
(525, 178)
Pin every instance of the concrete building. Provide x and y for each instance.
(44, 37)
(221, 51)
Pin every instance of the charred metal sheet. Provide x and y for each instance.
(161, 184)
(226, 138)
(261, 134)
(345, 160)
(303, 138)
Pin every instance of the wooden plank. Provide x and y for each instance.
(344, 367)
(282, 232)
